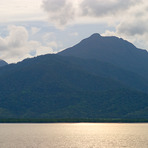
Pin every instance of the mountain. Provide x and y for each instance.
(36, 87)
(3, 63)
(128, 78)
(111, 50)
(76, 83)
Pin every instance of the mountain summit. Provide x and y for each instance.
(95, 35)
(97, 46)
(112, 50)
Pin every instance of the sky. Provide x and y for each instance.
(30, 28)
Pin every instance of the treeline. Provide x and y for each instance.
(73, 120)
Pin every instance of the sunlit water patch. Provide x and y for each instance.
(77, 135)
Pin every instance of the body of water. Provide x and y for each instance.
(74, 135)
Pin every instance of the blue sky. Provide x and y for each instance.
(30, 28)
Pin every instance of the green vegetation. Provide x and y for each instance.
(54, 87)
(57, 88)
(73, 120)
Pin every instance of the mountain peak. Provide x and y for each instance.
(110, 49)
(98, 47)
(95, 35)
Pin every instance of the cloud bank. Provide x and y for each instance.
(108, 7)
(63, 12)
(133, 25)
(20, 10)
(16, 45)
(60, 12)
(128, 17)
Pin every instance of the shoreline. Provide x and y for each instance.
(73, 120)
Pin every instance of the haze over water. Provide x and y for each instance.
(78, 135)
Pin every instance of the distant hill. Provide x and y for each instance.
(3, 63)
(78, 83)
(112, 50)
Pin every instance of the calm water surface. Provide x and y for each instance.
(78, 135)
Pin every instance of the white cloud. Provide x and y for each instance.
(35, 30)
(48, 36)
(64, 12)
(50, 40)
(109, 33)
(135, 22)
(108, 7)
(133, 25)
(74, 34)
(17, 46)
(20, 10)
(53, 44)
(60, 12)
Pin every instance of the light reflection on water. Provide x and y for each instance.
(76, 135)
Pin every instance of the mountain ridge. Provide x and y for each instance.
(114, 50)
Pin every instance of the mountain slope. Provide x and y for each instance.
(44, 84)
(112, 50)
(3, 63)
(126, 77)
(121, 103)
